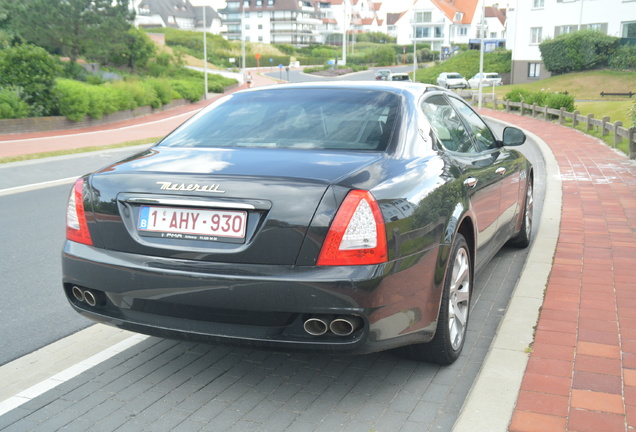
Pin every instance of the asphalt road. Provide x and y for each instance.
(32, 213)
(297, 75)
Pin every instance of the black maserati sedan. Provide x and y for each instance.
(342, 217)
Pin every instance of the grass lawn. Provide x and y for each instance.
(586, 87)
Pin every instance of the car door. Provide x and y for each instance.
(507, 165)
(477, 169)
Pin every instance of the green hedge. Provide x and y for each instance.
(542, 98)
(78, 99)
(578, 51)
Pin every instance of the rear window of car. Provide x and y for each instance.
(324, 118)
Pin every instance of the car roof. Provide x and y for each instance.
(396, 87)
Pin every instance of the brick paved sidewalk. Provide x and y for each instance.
(581, 375)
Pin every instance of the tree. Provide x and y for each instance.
(33, 71)
(137, 48)
(70, 27)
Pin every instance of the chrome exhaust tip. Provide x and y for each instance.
(78, 293)
(345, 325)
(316, 326)
(90, 298)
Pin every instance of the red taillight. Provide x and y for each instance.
(76, 227)
(357, 235)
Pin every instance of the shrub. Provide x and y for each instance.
(632, 112)
(74, 99)
(189, 90)
(34, 71)
(517, 95)
(163, 89)
(11, 104)
(624, 58)
(122, 99)
(560, 100)
(384, 56)
(581, 50)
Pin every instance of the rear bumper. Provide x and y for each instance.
(256, 305)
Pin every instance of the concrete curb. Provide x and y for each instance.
(491, 402)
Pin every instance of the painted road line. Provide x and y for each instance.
(36, 186)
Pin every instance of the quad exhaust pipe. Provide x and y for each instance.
(319, 325)
(90, 297)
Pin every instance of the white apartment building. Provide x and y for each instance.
(532, 21)
(441, 23)
(292, 22)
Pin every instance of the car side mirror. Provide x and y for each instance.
(513, 136)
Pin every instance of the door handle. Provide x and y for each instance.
(470, 182)
(500, 170)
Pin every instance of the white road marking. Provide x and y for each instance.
(36, 186)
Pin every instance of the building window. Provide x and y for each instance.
(259, 2)
(260, 38)
(536, 35)
(463, 31)
(534, 70)
(260, 26)
(559, 30)
(629, 29)
(422, 32)
(537, 4)
(260, 14)
(601, 27)
(270, 2)
(422, 17)
(459, 16)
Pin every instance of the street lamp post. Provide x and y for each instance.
(481, 52)
(243, 37)
(344, 34)
(414, 55)
(205, 55)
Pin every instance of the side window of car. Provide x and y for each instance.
(483, 135)
(447, 125)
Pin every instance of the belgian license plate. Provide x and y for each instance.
(192, 224)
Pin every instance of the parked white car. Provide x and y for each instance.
(489, 79)
(400, 77)
(451, 80)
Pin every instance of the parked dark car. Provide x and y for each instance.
(383, 74)
(343, 217)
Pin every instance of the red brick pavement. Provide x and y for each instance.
(581, 375)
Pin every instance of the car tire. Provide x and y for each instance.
(522, 239)
(447, 344)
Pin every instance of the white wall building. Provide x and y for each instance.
(532, 21)
(442, 23)
(292, 22)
